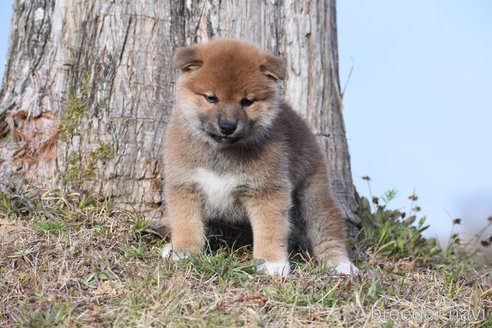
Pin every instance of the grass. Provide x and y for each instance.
(67, 260)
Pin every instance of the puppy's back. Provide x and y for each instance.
(301, 147)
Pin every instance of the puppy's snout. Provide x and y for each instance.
(227, 127)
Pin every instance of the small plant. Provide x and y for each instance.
(5, 204)
(460, 250)
(141, 224)
(19, 204)
(394, 235)
(222, 264)
(390, 233)
(52, 226)
(53, 314)
(139, 252)
(85, 202)
(92, 280)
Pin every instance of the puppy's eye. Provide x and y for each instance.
(247, 102)
(211, 99)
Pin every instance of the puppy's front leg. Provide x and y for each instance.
(268, 214)
(186, 223)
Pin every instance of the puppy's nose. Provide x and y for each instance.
(227, 127)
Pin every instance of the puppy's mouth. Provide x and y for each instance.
(224, 139)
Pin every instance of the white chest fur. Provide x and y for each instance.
(218, 188)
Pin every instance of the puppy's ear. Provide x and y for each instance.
(274, 67)
(186, 59)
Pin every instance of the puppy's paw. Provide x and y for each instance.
(169, 253)
(274, 268)
(347, 267)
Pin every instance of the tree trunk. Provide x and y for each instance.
(89, 86)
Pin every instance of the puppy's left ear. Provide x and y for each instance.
(274, 67)
(186, 59)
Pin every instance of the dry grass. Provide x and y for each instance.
(69, 261)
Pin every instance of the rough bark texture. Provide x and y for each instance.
(89, 86)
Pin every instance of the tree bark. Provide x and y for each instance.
(89, 86)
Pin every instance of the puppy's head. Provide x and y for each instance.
(227, 91)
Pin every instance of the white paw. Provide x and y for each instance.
(347, 267)
(169, 253)
(273, 268)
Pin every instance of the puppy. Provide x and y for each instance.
(235, 151)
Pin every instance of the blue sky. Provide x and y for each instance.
(418, 105)
(5, 14)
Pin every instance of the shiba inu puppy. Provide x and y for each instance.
(235, 151)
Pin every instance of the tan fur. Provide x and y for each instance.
(270, 171)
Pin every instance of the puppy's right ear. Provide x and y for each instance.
(186, 59)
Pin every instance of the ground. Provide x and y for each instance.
(69, 261)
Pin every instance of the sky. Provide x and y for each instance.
(5, 14)
(417, 103)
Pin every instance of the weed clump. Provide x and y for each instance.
(391, 233)
(395, 235)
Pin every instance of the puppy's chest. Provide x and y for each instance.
(220, 190)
